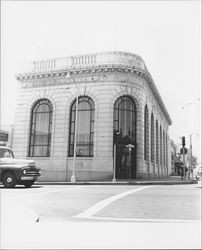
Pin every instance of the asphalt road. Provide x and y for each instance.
(122, 216)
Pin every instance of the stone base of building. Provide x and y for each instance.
(90, 169)
(62, 175)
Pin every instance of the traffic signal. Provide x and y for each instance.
(183, 141)
(117, 137)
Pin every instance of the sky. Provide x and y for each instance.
(166, 34)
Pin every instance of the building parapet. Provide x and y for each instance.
(85, 61)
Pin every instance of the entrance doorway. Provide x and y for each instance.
(125, 162)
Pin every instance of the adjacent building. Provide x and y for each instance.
(122, 122)
(176, 161)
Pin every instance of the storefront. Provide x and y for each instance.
(122, 123)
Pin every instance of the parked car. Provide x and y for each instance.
(16, 171)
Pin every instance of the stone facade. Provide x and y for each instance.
(103, 77)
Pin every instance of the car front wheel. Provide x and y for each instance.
(9, 180)
(28, 184)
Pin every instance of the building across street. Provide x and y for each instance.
(121, 122)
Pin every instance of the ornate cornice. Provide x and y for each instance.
(93, 64)
(81, 71)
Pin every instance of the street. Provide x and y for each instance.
(102, 216)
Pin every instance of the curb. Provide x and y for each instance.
(118, 183)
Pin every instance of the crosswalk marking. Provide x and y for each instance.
(104, 203)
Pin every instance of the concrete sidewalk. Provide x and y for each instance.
(102, 235)
(172, 180)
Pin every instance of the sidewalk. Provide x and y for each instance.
(172, 180)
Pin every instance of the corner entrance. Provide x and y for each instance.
(125, 162)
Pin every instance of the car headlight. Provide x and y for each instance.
(24, 171)
(39, 171)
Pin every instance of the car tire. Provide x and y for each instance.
(28, 184)
(9, 180)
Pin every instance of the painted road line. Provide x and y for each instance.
(144, 220)
(88, 213)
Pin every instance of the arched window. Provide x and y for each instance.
(146, 134)
(85, 127)
(164, 149)
(157, 143)
(40, 129)
(152, 138)
(161, 149)
(125, 117)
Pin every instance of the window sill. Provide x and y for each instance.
(38, 157)
(80, 157)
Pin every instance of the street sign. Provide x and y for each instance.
(185, 151)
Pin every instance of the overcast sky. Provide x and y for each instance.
(166, 34)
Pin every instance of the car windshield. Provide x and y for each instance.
(6, 153)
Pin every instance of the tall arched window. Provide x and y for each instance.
(146, 134)
(125, 117)
(164, 149)
(40, 129)
(85, 127)
(157, 143)
(161, 150)
(152, 138)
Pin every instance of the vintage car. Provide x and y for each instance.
(16, 171)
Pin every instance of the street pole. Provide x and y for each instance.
(129, 146)
(183, 163)
(114, 166)
(129, 162)
(191, 167)
(73, 177)
(11, 140)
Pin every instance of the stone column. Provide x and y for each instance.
(140, 142)
(159, 150)
(155, 170)
(149, 145)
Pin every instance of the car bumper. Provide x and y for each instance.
(27, 178)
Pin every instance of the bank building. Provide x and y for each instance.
(120, 123)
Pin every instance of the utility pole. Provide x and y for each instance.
(11, 138)
(114, 166)
(73, 177)
(184, 164)
(116, 140)
(183, 152)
